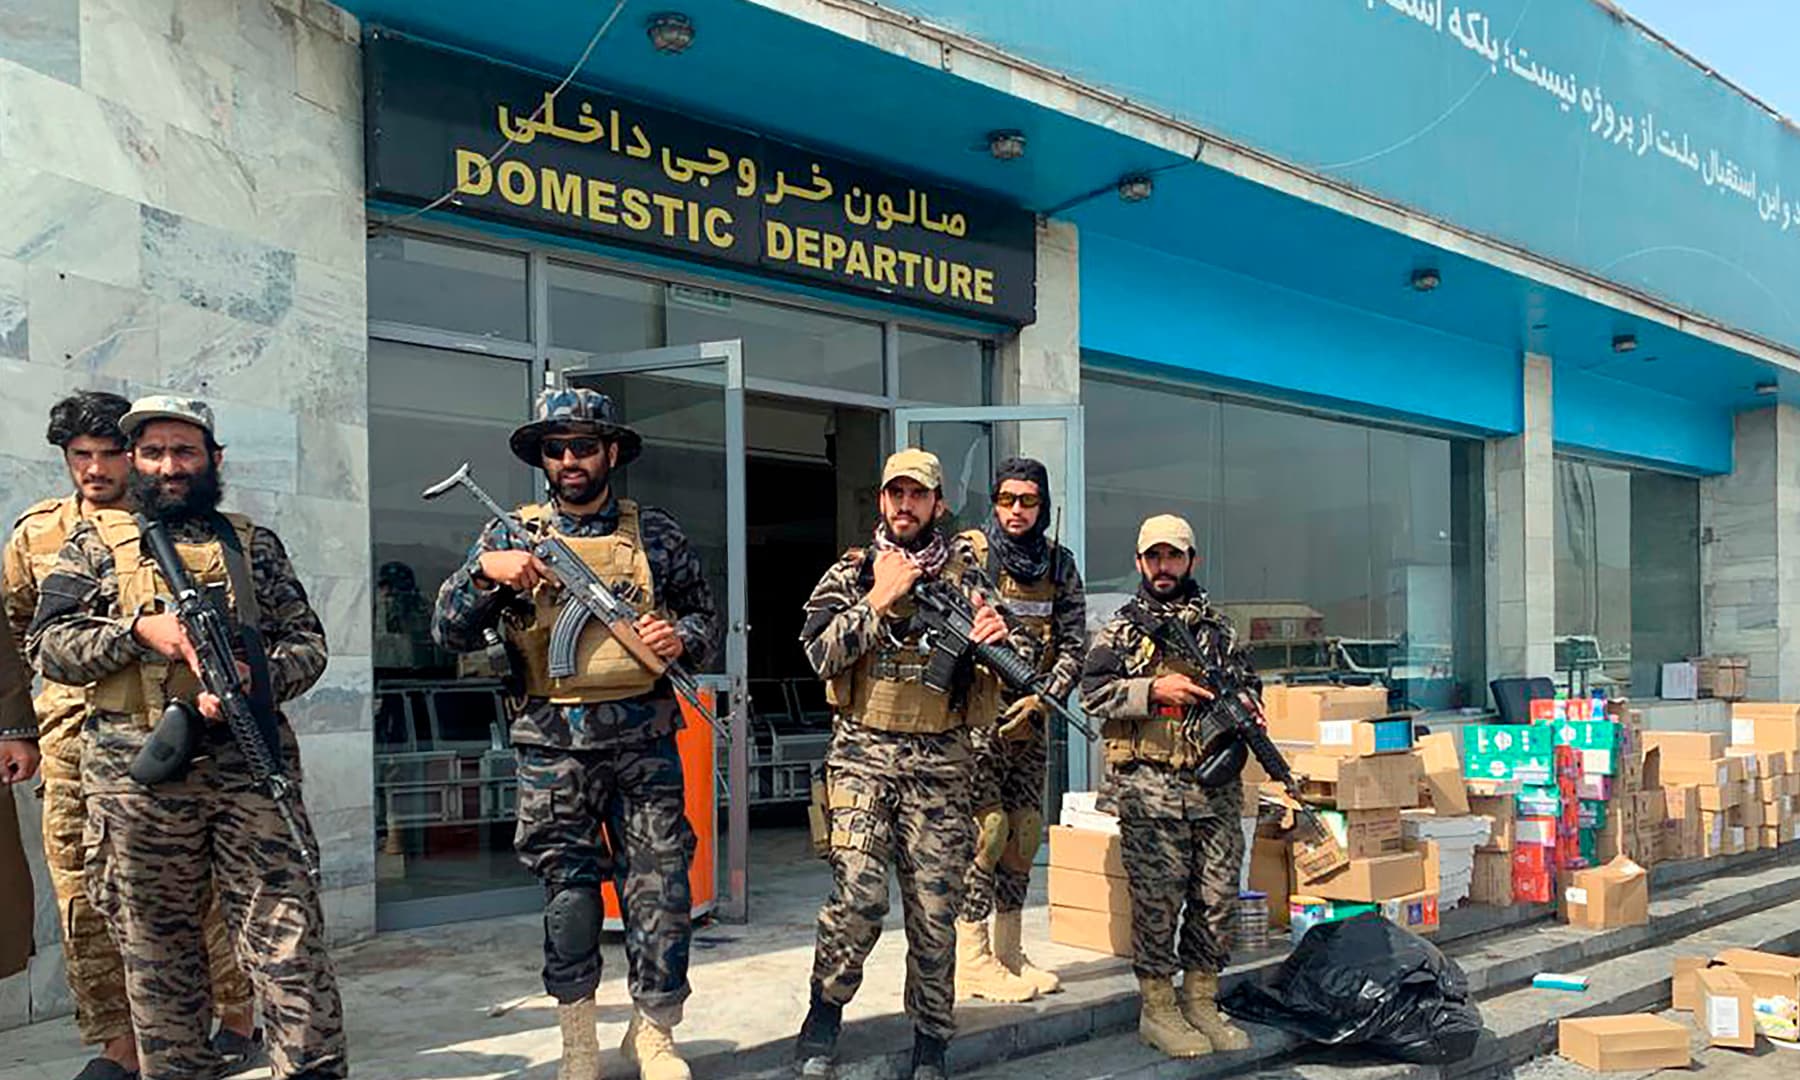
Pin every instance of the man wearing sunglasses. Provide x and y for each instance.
(596, 749)
(1040, 585)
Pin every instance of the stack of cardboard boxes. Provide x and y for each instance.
(1090, 902)
(1740, 994)
(1766, 737)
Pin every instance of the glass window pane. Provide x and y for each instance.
(781, 342)
(953, 371)
(599, 312)
(1627, 576)
(444, 788)
(446, 286)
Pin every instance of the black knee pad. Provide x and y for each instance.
(572, 920)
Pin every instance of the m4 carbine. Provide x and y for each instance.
(248, 711)
(586, 597)
(949, 621)
(1243, 731)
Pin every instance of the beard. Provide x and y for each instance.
(1166, 587)
(157, 497)
(917, 540)
(589, 487)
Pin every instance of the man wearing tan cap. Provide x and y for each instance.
(897, 773)
(1182, 843)
(157, 849)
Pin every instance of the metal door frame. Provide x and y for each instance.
(726, 357)
(1084, 771)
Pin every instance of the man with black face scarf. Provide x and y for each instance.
(1041, 587)
(1181, 842)
(155, 853)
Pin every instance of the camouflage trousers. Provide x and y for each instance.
(1009, 820)
(1171, 862)
(899, 801)
(619, 815)
(155, 858)
(91, 960)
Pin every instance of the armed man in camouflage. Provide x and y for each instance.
(898, 770)
(85, 428)
(596, 750)
(18, 756)
(155, 855)
(1041, 587)
(1182, 843)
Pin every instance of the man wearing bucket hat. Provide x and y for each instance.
(1181, 842)
(596, 749)
(897, 771)
(155, 850)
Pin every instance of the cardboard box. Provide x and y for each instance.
(1725, 1009)
(1272, 873)
(1368, 783)
(1294, 713)
(1499, 810)
(1680, 681)
(1306, 912)
(1713, 773)
(1614, 895)
(1535, 832)
(1774, 982)
(1770, 726)
(1088, 891)
(1718, 798)
(1417, 912)
(1748, 813)
(1443, 774)
(1686, 987)
(1525, 740)
(1101, 931)
(1526, 769)
(1636, 1043)
(1534, 877)
(1367, 833)
(1391, 734)
(1685, 745)
(1086, 849)
(1492, 881)
(1313, 861)
(1370, 880)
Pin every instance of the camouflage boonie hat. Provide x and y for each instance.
(573, 410)
(167, 407)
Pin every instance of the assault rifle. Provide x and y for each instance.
(949, 619)
(1244, 732)
(587, 598)
(248, 711)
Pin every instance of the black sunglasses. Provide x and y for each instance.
(1030, 502)
(554, 449)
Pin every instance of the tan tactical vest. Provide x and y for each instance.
(1032, 603)
(44, 527)
(1157, 737)
(604, 671)
(884, 688)
(142, 690)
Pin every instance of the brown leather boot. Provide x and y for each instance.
(1161, 1024)
(979, 974)
(1009, 949)
(580, 1042)
(1200, 1005)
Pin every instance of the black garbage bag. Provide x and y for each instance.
(1365, 981)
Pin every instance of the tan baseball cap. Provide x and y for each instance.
(167, 407)
(920, 465)
(1165, 529)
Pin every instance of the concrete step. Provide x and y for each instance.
(1694, 908)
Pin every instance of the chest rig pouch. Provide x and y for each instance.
(219, 567)
(604, 671)
(1032, 603)
(905, 685)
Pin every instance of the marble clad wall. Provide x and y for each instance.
(182, 184)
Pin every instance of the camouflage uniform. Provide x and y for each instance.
(897, 799)
(95, 975)
(1010, 773)
(1182, 843)
(16, 724)
(609, 767)
(151, 853)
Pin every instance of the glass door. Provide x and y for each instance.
(687, 401)
(970, 442)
